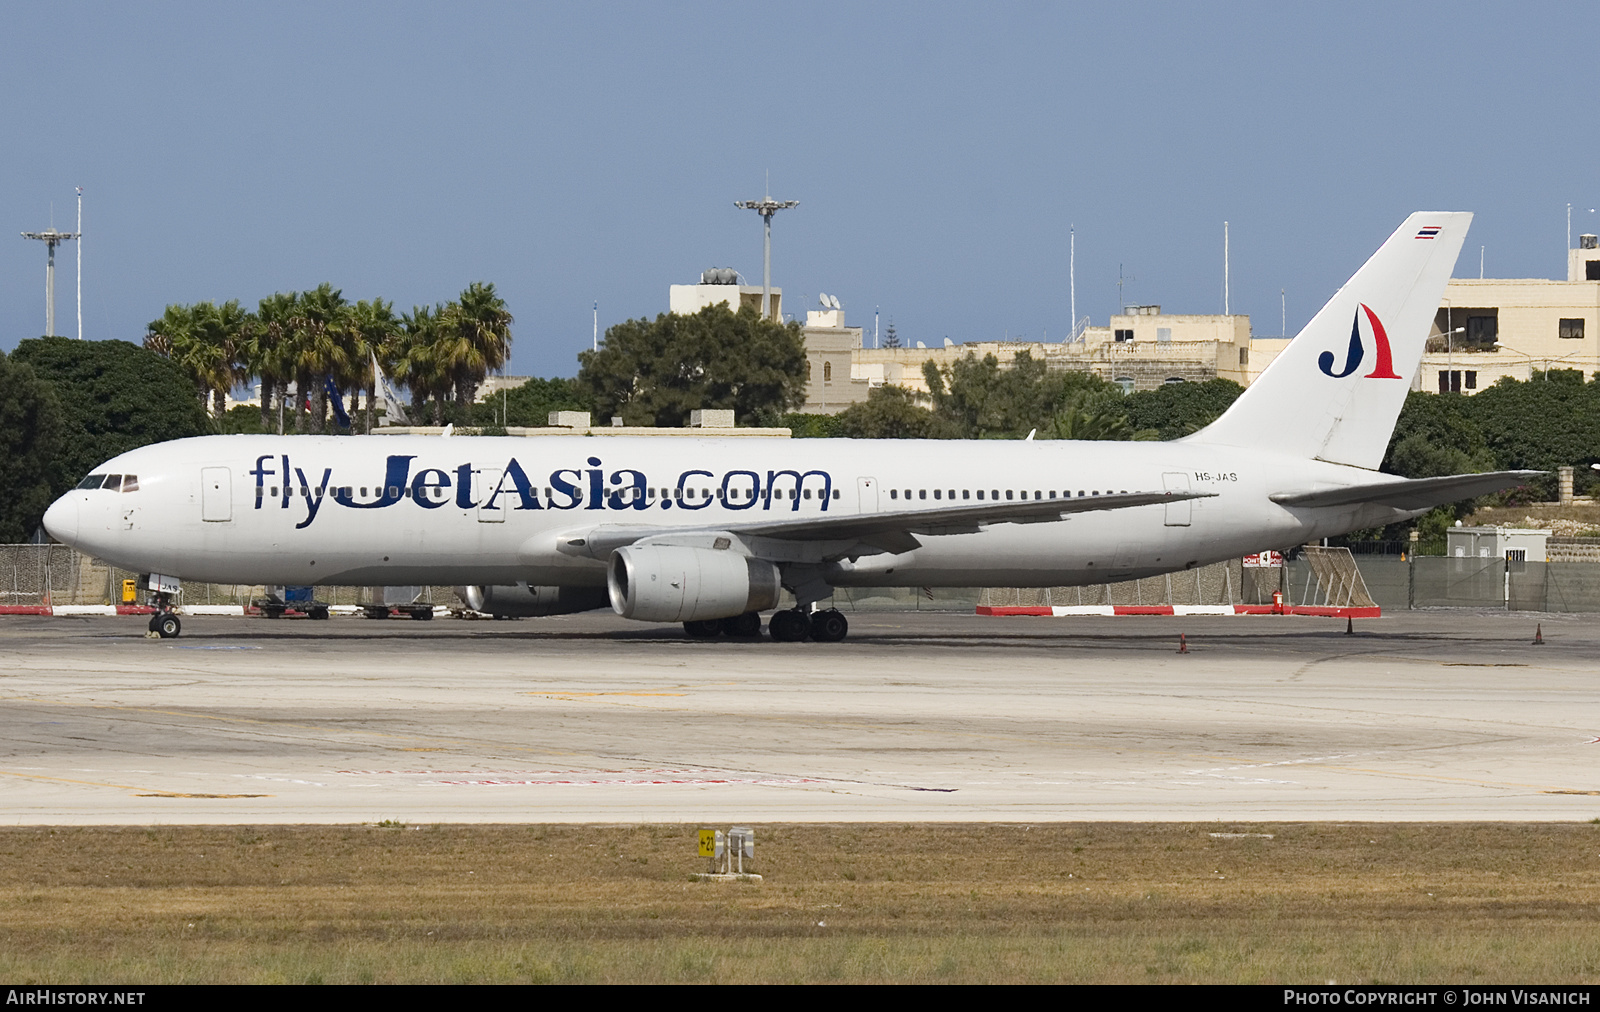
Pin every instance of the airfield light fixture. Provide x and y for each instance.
(766, 207)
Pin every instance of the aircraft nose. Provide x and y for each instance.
(61, 519)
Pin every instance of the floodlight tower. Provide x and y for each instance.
(766, 207)
(51, 238)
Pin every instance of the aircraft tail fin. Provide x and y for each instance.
(1335, 392)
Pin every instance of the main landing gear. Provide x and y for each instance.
(789, 626)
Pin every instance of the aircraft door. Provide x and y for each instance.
(488, 483)
(216, 494)
(867, 494)
(1177, 512)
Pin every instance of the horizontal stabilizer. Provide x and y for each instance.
(1410, 493)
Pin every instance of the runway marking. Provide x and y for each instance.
(142, 792)
(173, 794)
(568, 695)
(213, 646)
(604, 777)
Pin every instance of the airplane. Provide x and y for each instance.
(708, 531)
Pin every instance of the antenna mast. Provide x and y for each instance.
(1225, 269)
(1072, 280)
(80, 263)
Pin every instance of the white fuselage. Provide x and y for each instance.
(388, 510)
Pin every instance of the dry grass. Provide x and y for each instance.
(966, 903)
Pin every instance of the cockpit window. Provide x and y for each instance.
(113, 483)
(130, 483)
(93, 481)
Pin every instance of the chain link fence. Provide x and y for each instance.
(48, 575)
(44, 575)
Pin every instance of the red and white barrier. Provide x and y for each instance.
(76, 609)
(1061, 611)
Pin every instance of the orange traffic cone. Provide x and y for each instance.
(1183, 643)
(1349, 625)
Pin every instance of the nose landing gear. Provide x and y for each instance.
(164, 623)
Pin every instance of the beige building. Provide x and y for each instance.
(1142, 349)
(1489, 328)
(832, 349)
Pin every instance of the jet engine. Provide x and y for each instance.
(522, 601)
(665, 583)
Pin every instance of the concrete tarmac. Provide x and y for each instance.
(917, 716)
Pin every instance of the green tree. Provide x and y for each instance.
(1436, 435)
(374, 330)
(114, 396)
(475, 332)
(205, 340)
(418, 362)
(532, 402)
(1093, 418)
(808, 426)
(891, 412)
(1541, 424)
(1178, 409)
(32, 432)
(268, 354)
(980, 399)
(654, 372)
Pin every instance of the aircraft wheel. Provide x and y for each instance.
(423, 615)
(829, 626)
(319, 613)
(788, 626)
(167, 626)
(743, 626)
(703, 628)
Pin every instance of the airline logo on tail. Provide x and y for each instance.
(1384, 369)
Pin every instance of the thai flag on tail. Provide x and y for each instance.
(1428, 232)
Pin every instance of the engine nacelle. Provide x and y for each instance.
(666, 583)
(522, 601)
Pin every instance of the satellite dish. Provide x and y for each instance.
(823, 298)
(835, 300)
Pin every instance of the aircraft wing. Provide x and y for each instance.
(892, 531)
(1410, 493)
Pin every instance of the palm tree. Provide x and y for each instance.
(321, 350)
(271, 352)
(477, 340)
(418, 361)
(204, 340)
(375, 328)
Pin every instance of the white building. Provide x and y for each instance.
(720, 284)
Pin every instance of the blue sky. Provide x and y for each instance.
(576, 153)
